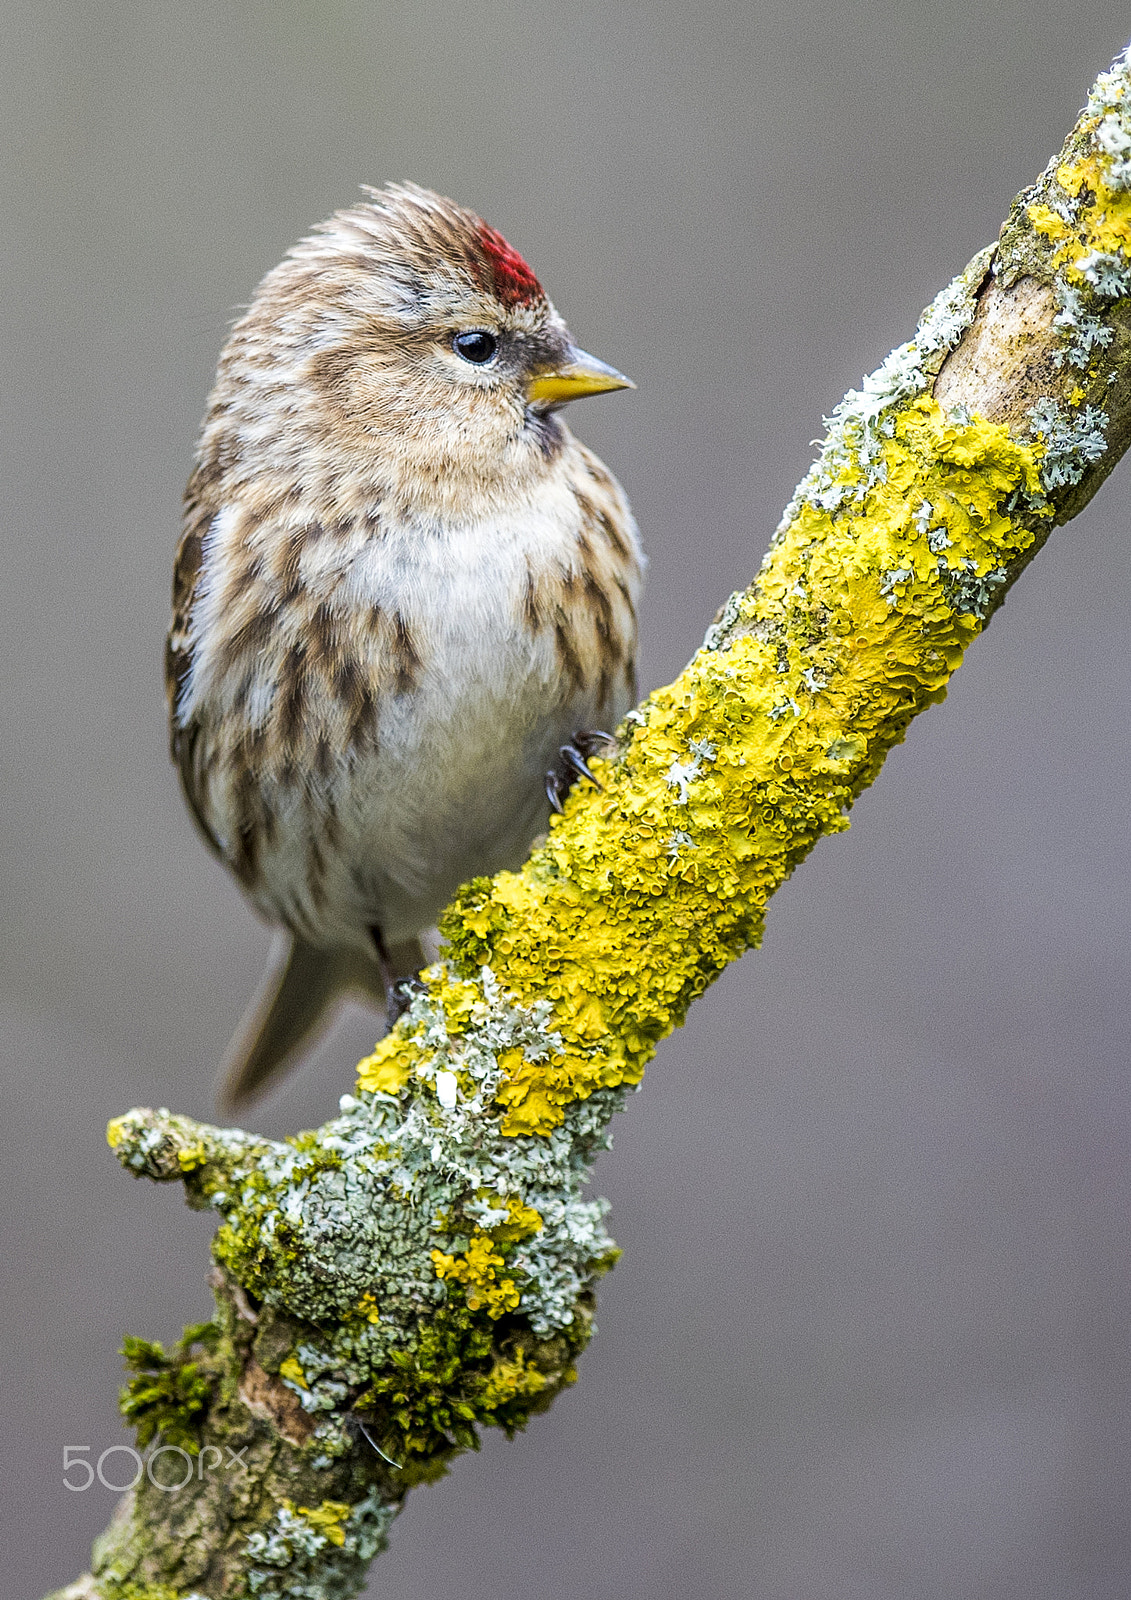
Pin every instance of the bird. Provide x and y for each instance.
(404, 600)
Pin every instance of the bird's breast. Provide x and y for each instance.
(384, 702)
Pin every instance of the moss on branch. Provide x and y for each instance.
(423, 1265)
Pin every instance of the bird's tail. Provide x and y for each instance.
(297, 1000)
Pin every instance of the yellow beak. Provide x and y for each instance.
(578, 375)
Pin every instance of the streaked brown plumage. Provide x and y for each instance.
(402, 584)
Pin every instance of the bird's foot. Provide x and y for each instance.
(573, 763)
(400, 996)
(399, 992)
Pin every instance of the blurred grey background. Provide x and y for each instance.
(868, 1338)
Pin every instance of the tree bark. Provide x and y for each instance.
(423, 1265)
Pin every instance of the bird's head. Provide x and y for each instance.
(406, 338)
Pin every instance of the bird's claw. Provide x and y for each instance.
(574, 759)
(573, 765)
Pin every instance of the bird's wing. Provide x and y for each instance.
(184, 738)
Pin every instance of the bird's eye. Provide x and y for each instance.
(476, 346)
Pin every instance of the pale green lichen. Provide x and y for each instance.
(414, 1220)
(1071, 442)
(317, 1554)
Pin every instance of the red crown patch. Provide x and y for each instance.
(514, 282)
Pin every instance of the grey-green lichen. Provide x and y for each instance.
(410, 1212)
(317, 1553)
(1072, 442)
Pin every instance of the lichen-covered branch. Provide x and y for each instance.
(423, 1265)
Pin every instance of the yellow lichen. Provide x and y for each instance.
(368, 1308)
(291, 1369)
(386, 1071)
(620, 922)
(510, 1379)
(192, 1156)
(480, 1266)
(326, 1519)
(457, 999)
(1103, 224)
(522, 1221)
(1048, 222)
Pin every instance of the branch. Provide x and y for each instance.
(423, 1265)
